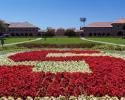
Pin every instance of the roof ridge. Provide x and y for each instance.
(100, 24)
(21, 24)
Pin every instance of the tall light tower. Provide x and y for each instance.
(83, 20)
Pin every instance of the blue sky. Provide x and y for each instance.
(61, 13)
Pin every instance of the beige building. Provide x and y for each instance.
(60, 32)
(100, 29)
(105, 29)
(22, 29)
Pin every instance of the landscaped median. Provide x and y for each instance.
(62, 74)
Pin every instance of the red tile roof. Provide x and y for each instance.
(21, 25)
(100, 24)
(122, 20)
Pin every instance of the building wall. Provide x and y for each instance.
(115, 31)
(60, 32)
(23, 31)
(97, 31)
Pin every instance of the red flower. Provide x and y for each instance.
(107, 77)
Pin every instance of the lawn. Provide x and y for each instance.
(111, 40)
(15, 40)
(61, 41)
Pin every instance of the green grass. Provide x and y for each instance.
(15, 40)
(111, 40)
(61, 41)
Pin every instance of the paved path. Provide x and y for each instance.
(102, 42)
(10, 44)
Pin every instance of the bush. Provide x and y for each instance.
(49, 33)
(123, 37)
(83, 45)
(12, 48)
(109, 47)
(70, 33)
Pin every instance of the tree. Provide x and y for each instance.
(70, 33)
(49, 33)
(2, 41)
(44, 36)
(3, 27)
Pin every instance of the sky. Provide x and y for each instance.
(61, 13)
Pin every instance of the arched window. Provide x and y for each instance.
(30, 34)
(90, 34)
(12, 34)
(39, 34)
(94, 34)
(82, 34)
(120, 33)
(26, 34)
(22, 34)
(108, 34)
(17, 34)
(103, 34)
(99, 34)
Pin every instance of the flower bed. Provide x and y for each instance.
(41, 55)
(66, 73)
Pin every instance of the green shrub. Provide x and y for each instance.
(49, 33)
(32, 45)
(109, 47)
(70, 33)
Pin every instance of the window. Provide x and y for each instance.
(17, 34)
(120, 33)
(12, 34)
(26, 34)
(30, 34)
(108, 34)
(22, 34)
(94, 34)
(103, 34)
(90, 34)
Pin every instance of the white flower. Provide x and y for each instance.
(29, 98)
(62, 66)
(11, 98)
(3, 98)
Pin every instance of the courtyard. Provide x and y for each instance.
(62, 50)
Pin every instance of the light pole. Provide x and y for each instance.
(83, 20)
